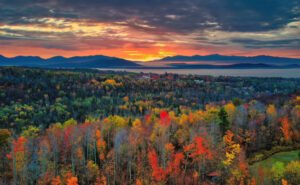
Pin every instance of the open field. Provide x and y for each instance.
(263, 167)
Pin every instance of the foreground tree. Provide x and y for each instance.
(224, 123)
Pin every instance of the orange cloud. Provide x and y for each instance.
(48, 37)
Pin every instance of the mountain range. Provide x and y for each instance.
(233, 66)
(97, 61)
(100, 61)
(236, 59)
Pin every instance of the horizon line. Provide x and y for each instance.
(68, 57)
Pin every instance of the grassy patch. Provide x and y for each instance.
(261, 170)
(264, 154)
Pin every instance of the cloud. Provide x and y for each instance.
(193, 24)
(256, 44)
(174, 15)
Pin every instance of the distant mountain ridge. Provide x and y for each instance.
(96, 61)
(101, 61)
(225, 58)
(233, 66)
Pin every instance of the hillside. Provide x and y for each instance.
(97, 61)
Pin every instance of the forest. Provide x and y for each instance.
(77, 127)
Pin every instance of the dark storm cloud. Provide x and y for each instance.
(148, 28)
(172, 15)
(257, 44)
(13, 12)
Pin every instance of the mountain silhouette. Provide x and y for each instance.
(235, 59)
(97, 61)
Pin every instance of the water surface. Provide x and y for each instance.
(285, 73)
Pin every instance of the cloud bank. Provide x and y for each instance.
(146, 30)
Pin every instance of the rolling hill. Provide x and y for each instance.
(97, 61)
(233, 59)
(178, 62)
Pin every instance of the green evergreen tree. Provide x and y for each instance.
(224, 123)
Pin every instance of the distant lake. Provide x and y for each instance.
(285, 73)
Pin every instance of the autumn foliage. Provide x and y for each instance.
(198, 149)
(162, 147)
(158, 173)
(285, 128)
(164, 118)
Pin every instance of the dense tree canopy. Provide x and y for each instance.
(85, 127)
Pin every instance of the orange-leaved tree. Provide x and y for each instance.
(158, 173)
(285, 128)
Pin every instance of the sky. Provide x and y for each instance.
(144, 30)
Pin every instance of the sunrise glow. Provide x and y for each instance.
(144, 37)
